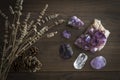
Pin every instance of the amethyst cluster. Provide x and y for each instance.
(94, 39)
(75, 22)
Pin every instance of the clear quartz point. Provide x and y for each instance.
(80, 61)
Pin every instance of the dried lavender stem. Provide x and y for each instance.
(5, 37)
(30, 25)
(13, 30)
(16, 30)
(50, 17)
(32, 42)
(42, 13)
(10, 46)
(3, 15)
(5, 43)
(26, 26)
(11, 10)
(18, 14)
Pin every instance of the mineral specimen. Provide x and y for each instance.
(66, 34)
(80, 61)
(98, 62)
(65, 51)
(95, 37)
(75, 22)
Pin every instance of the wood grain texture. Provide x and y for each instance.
(65, 76)
(108, 11)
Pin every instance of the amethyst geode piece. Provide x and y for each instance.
(94, 38)
(98, 62)
(66, 34)
(75, 22)
(65, 51)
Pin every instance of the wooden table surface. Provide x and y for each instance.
(108, 11)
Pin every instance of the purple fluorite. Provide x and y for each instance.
(75, 22)
(66, 34)
(94, 39)
(65, 51)
(98, 62)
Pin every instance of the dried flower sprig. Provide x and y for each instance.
(23, 35)
(51, 34)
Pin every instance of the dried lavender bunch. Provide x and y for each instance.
(19, 36)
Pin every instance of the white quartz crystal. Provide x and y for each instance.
(80, 61)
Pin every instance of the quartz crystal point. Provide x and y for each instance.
(98, 62)
(65, 51)
(66, 34)
(75, 22)
(80, 61)
(94, 38)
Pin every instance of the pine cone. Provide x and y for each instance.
(27, 62)
(32, 64)
(33, 51)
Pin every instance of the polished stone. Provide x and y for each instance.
(65, 51)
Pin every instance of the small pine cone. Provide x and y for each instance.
(32, 64)
(33, 50)
(27, 62)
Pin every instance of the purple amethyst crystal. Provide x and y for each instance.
(98, 62)
(66, 34)
(65, 51)
(75, 22)
(94, 39)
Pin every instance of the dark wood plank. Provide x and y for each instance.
(66, 76)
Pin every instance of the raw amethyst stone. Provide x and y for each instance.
(66, 34)
(91, 40)
(98, 62)
(75, 22)
(65, 51)
(94, 38)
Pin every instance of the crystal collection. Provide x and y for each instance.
(93, 40)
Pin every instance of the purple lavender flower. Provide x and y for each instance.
(66, 34)
(75, 22)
